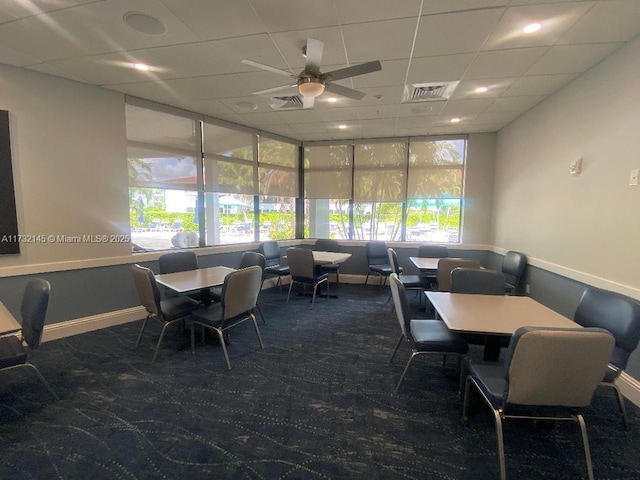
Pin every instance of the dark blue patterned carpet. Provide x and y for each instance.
(316, 403)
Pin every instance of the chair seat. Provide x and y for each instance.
(177, 307)
(411, 281)
(493, 381)
(210, 315)
(434, 336)
(381, 269)
(11, 352)
(277, 269)
(310, 281)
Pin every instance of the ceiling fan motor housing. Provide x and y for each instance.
(310, 86)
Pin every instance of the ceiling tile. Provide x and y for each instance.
(365, 42)
(571, 58)
(452, 33)
(607, 21)
(504, 63)
(538, 84)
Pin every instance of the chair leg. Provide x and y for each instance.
(155, 354)
(397, 346)
(290, 287)
(585, 443)
(224, 347)
(144, 325)
(255, 325)
(623, 410)
(500, 439)
(261, 314)
(404, 372)
(43, 381)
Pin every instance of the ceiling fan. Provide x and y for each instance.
(311, 83)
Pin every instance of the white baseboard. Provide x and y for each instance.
(94, 322)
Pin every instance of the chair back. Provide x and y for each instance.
(33, 310)
(446, 266)
(271, 252)
(617, 314)
(178, 262)
(376, 252)
(250, 259)
(401, 304)
(393, 261)
(477, 280)
(513, 267)
(433, 251)
(327, 245)
(301, 264)
(555, 367)
(147, 288)
(240, 292)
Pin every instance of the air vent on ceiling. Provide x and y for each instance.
(286, 103)
(428, 92)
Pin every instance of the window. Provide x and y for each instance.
(163, 159)
(196, 181)
(393, 189)
(278, 180)
(327, 190)
(434, 190)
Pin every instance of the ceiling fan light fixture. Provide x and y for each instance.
(310, 87)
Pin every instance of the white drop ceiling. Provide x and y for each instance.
(196, 63)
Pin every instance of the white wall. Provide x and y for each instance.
(68, 147)
(586, 227)
(478, 189)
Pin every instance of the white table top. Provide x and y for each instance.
(194, 279)
(326, 258)
(425, 263)
(8, 323)
(494, 314)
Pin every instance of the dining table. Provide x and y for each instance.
(8, 323)
(495, 316)
(329, 258)
(192, 280)
(425, 264)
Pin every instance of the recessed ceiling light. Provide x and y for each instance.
(532, 27)
(455, 120)
(144, 23)
(481, 89)
(342, 127)
(332, 99)
(141, 66)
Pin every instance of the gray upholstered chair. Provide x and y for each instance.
(446, 266)
(619, 315)
(250, 259)
(274, 265)
(479, 281)
(514, 265)
(410, 282)
(329, 245)
(181, 262)
(549, 373)
(378, 261)
(426, 337)
(167, 312)
(239, 297)
(432, 251)
(305, 272)
(33, 310)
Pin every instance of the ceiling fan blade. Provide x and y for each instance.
(267, 68)
(314, 51)
(344, 91)
(308, 102)
(353, 71)
(276, 89)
